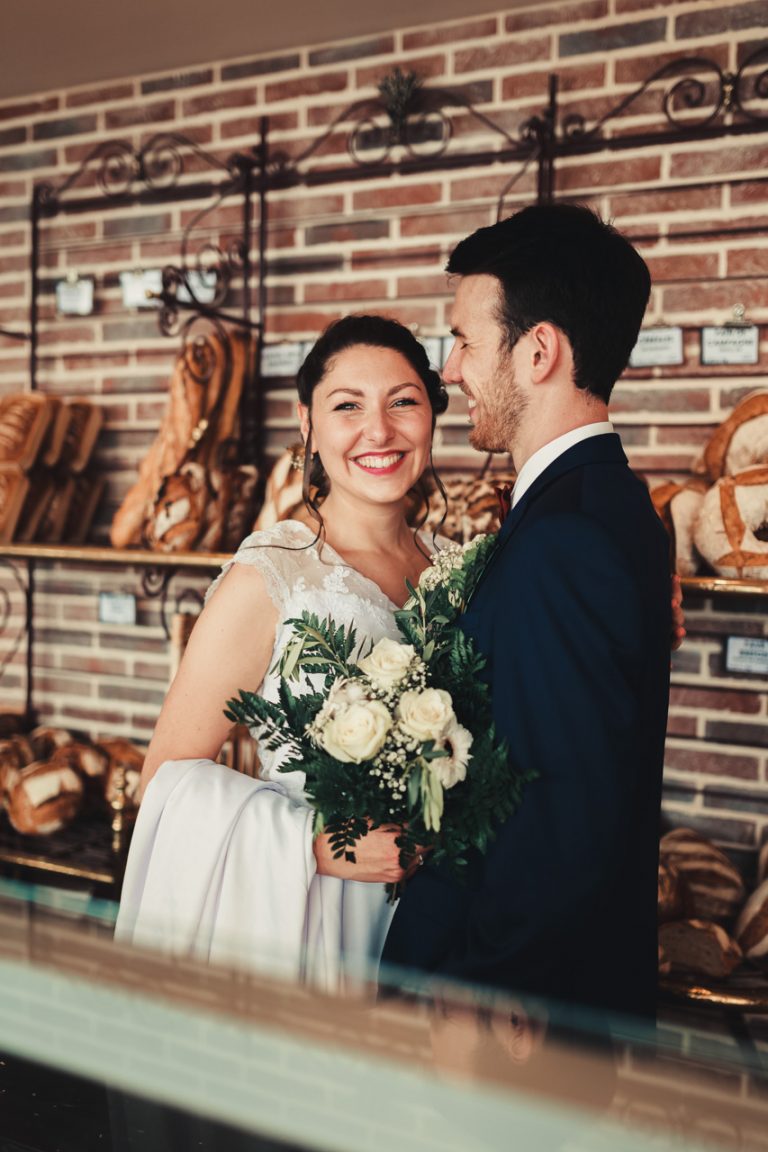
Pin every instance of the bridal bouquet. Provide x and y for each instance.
(401, 733)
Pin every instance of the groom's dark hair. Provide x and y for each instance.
(561, 263)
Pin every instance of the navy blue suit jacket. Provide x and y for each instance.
(573, 618)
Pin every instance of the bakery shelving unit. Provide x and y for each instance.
(405, 130)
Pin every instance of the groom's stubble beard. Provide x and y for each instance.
(501, 409)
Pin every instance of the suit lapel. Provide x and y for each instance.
(594, 450)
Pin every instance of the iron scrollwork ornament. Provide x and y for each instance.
(699, 94)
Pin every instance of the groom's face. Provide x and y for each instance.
(482, 365)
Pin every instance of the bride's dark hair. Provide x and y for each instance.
(350, 332)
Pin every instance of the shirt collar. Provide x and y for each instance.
(541, 459)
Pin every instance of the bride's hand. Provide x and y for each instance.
(377, 858)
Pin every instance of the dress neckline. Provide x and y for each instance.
(342, 563)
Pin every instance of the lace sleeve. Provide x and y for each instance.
(258, 550)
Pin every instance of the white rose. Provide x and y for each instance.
(355, 732)
(343, 691)
(387, 663)
(452, 768)
(426, 715)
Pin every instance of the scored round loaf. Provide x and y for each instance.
(86, 759)
(699, 947)
(178, 511)
(751, 929)
(713, 884)
(44, 798)
(741, 441)
(731, 530)
(678, 506)
(672, 896)
(15, 753)
(46, 740)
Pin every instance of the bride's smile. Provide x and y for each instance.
(371, 425)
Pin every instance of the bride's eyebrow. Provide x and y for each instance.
(360, 392)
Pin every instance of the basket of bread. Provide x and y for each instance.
(49, 776)
(710, 927)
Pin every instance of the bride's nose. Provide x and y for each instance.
(378, 427)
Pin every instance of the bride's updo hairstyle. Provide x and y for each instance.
(352, 332)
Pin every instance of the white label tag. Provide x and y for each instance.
(729, 345)
(747, 654)
(117, 608)
(657, 346)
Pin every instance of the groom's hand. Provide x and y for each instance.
(377, 858)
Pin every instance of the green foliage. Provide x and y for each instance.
(349, 798)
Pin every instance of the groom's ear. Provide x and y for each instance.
(548, 351)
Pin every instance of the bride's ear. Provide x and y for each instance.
(303, 414)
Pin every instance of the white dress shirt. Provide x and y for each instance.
(541, 459)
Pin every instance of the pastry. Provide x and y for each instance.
(14, 486)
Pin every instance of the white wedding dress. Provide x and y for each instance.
(221, 865)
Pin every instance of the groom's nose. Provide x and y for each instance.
(451, 372)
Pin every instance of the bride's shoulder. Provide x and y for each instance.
(276, 552)
(286, 534)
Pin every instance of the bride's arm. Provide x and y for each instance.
(229, 649)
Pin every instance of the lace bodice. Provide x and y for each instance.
(300, 577)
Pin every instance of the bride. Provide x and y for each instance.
(223, 866)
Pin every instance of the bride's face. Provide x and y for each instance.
(371, 424)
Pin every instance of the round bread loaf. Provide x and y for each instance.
(44, 798)
(45, 740)
(671, 901)
(678, 506)
(699, 947)
(751, 930)
(741, 441)
(91, 762)
(731, 530)
(713, 884)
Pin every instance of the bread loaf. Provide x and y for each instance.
(713, 884)
(671, 897)
(14, 486)
(45, 740)
(90, 761)
(741, 441)
(24, 418)
(731, 530)
(751, 930)
(15, 754)
(282, 493)
(678, 506)
(44, 798)
(176, 519)
(698, 947)
(85, 420)
(473, 505)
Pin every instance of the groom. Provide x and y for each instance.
(573, 618)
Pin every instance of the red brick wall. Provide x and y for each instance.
(381, 243)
